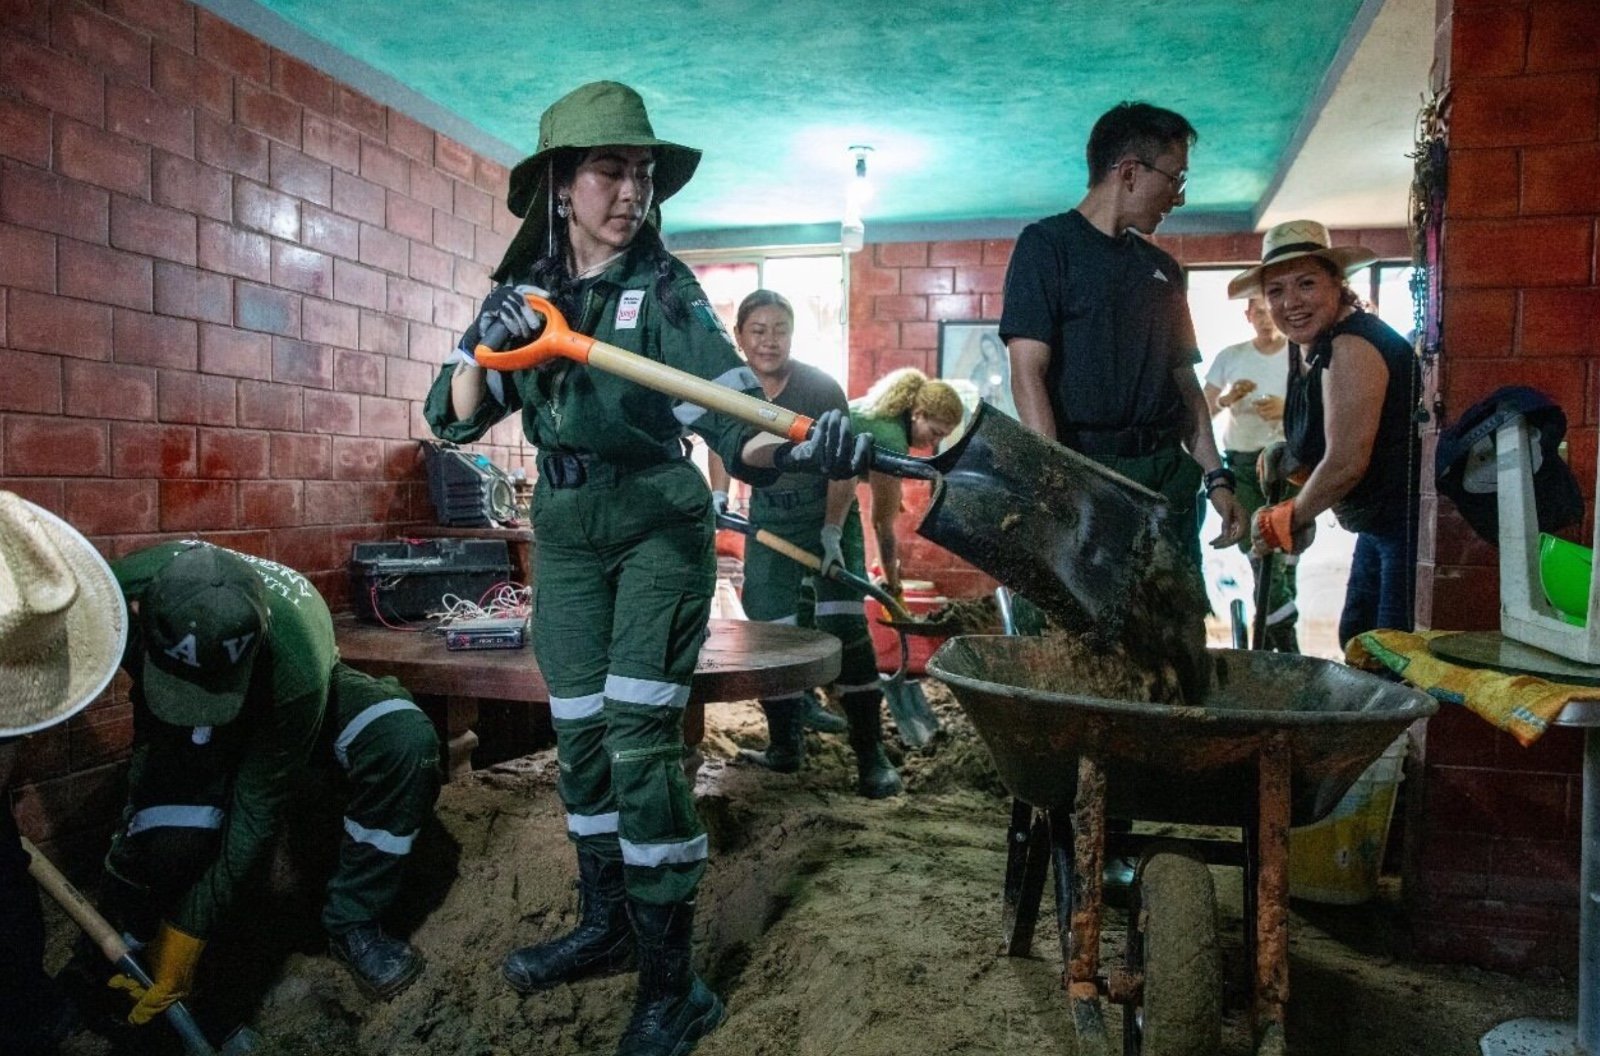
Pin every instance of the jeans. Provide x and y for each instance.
(1383, 582)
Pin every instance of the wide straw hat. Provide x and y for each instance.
(63, 622)
(1292, 240)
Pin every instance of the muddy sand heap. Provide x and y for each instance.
(829, 924)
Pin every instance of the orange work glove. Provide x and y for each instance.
(170, 960)
(1273, 529)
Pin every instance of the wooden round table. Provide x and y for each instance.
(740, 660)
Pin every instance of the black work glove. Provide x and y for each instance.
(831, 450)
(505, 320)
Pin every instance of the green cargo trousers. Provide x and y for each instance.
(1282, 610)
(778, 590)
(626, 571)
(1177, 476)
(388, 752)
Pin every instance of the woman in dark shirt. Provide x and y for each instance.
(1348, 421)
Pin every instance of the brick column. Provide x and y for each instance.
(1521, 305)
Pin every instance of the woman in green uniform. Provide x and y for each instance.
(903, 410)
(625, 565)
(819, 516)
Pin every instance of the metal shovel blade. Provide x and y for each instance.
(1063, 531)
(914, 718)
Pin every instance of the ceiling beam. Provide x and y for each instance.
(1351, 44)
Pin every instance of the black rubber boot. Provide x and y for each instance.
(786, 742)
(601, 942)
(382, 965)
(674, 1008)
(813, 716)
(876, 777)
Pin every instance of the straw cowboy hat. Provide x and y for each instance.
(63, 622)
(1298, 238)
(598, 114)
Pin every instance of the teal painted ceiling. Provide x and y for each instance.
(975, 111)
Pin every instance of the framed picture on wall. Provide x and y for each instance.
(972, 359)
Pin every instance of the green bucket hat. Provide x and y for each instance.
(598, 114)
(203, 615)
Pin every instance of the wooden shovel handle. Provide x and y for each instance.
(77, 907)
(558, 340)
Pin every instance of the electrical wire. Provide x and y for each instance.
(502, 601)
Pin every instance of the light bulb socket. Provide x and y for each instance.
(852, 236)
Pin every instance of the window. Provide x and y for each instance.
(812, 281)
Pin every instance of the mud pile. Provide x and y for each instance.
(830, 925)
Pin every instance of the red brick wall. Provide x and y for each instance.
(901, 291)
(226, 281)
(1498, 878)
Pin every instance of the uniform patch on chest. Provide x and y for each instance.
(628, 310)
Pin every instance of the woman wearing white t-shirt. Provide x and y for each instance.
(1249, 381)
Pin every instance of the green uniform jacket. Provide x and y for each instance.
(568, 407)
(264, 749)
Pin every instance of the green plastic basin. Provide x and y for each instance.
(1565, 570)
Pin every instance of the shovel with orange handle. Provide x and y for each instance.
(1069, 534)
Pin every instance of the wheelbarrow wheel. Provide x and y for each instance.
(1172, 940)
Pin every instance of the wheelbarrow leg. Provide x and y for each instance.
(1027, 862)
(1271, 855)
(1081, 941)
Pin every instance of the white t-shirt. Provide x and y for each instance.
(1243, 428)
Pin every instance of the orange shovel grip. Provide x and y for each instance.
(556, 340)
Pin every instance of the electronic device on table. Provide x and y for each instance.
(410, 579)
(487, 632)
(467, 490)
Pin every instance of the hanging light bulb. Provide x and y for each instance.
(858, 192)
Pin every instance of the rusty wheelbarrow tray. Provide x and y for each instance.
(1280, 740)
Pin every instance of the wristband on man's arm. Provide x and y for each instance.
(1222, 477)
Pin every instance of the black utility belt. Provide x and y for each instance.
(568, 469)
(788, 498)
(1120, 442)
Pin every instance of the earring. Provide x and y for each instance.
(564, 207)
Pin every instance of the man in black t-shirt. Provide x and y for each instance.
(1097, 325)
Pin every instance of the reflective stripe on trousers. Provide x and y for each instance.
(365, 718)
(649, 855)
(387, 842)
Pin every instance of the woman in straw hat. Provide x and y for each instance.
(1348, 421)
(626, 567)
(62, 630)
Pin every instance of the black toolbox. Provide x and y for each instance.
(408, 579)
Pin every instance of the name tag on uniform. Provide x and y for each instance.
(628, 309)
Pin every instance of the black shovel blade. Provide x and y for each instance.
(1063, 531)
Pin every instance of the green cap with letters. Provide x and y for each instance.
(203, 618)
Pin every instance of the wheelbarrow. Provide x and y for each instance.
(1278, 742)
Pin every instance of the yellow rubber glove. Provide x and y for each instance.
(170, 960)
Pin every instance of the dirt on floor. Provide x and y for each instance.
(829, 924)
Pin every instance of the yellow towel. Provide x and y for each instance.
(1522, 705)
